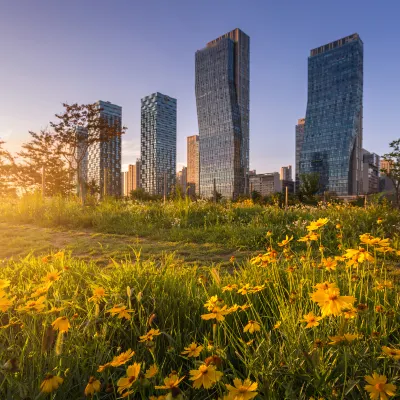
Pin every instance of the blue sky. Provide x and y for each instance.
(122, 50)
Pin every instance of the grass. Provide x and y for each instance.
(195, 300)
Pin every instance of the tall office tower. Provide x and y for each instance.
(158, 143)
(104, 158)
(299, 145)
(181, 179)
(131, 178)
(222, 98)
(193, 165)
(332, 145)
(371, 172)
(286, 173)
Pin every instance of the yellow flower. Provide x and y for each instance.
(122, 358)
(92, 387)
(193, 350)
(338, 226)
(359, 255)
(285, 241)
(52, 277)
(331, 302)
(392, 353)
(311, 319)
(245, 289)
(329, 264)
(311, 236)
(171, 383)
(269, 233)
(314, 225)
(217, 313)
(61, 324)
(151, 372)
(4, 283)
(384, 285)
(132, 373)
(39, 291)
(325, 285)
(34, 305)
(369, 239)
(350, 313)
(205, 376)
(347, 338)
(257, 288)
(378, 388)
(212, 302)
(5, 302)
(245, 390)
(121, 311)
(229, 287)
(278, 325)
(149, 336)
(252, 326)
(379, 220)
(51, 383)
(98, 294)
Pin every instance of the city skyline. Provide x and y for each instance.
(278, 68)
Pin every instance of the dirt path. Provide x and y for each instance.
(20, 240)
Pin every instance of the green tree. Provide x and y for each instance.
(393, 172)
(41, 156)
(77, 128)
(309, 185)
(7, 171)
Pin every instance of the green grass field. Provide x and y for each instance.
(236, 309)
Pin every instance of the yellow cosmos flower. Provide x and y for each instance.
(359, 255)
(315, 225)
(245, 289)
(40, 291)
(213, 301)
(149, 336)
(122, 358)
(34, 305)
(329, 264)
(257, 288)
(98, 294)
(229, 287)
(278, 325)
(132, 374)
(217, 313)
(311, 236)
(346, 338)
(379, 220)
(121, 312)
(52, 277)
(384, 285)
(324, 286)
(5, 302)
(252, 326)
(331, 302)
(392, 353)
(378, 388)
(4, 283)
(205, 376)
(92, 387)
(151, 372)
(242, 390)
(193, 350)
(171, 383)
(61, 324)
(285, 241)
(350, 313)
(311, 319)
(51, 383)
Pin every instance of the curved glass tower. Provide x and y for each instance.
(222, 99)
(332, 145)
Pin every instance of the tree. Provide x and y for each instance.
(309, 185)
(79, 127)
(42, 156)
(393, 172)
(7, 170)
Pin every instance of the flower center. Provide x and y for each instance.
(333, 297)
(380, 387)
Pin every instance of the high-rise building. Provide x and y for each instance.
(222, 99)
(386, 165)
(181, 179)
(104, 158)
(371, 172)
(193, 165)
(286, 173)
(332, 145)
(299, 145)
(265, 184)
(131, 178)
(158, 143)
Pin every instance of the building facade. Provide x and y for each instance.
(181, 179)
(131, 178)
(332, 145)
(286, 173)
(299, 145)
(104, 158)
(265, 184)
(193, 165)
(371, 172)
(222, 99)
(158, 143)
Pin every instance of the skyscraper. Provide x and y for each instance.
(131, 179)
(181, 179)
(158, 143)
(286, 173)
(299, 145)
(193, 164)
(222, 99)
(104, 158)
(332, 145)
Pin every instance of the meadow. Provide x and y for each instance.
(311, 312)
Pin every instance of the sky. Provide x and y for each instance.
(120, 51)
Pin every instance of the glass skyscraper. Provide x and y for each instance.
(332, 145)
(158, 143)
(222, 99)
(299, 145)
(104, 158)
